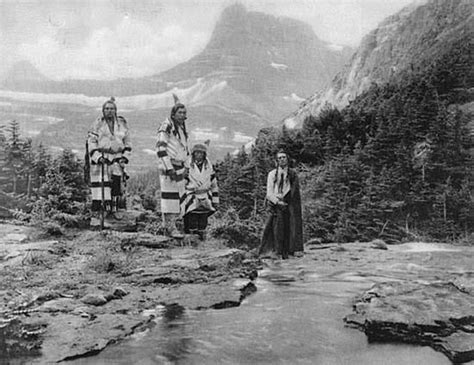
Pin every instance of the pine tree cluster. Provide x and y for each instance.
(394, 164)
(47, 187)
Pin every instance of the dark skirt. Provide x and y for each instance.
(283, 232)
(276, 234)
(194, 221)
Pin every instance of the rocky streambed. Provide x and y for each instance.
(63, 299)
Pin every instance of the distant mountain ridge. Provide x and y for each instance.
(255, 69)
(256, 61)
(408, 40)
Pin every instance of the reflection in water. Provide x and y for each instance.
(295, 317)
(176, 343)
(171, 314)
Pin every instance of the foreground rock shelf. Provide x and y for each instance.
(438, 314)
(71, 297)
(426, 298)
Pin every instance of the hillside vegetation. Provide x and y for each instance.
(394, 164)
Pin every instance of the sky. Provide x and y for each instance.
(107, 39)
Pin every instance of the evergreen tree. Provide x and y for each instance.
(4, 178)
(18, 160)
(41, 162)
(13, 154)
(395, 161)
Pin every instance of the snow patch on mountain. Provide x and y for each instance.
(204, 90)
(241, 138)
(279, 66)
(290, 123)
(32, 132)
(294, 97)
(193, 95)
(335, 47)
(203, 134)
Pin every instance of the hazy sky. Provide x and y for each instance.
(106, 39)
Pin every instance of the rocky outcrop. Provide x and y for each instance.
(61, 300)
(259, 54)
(436, 314)
(408, 40)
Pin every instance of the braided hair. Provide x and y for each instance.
(174, 109)
(276, 174)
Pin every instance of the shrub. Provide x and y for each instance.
(237, 232)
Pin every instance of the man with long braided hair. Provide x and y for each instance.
(283, 233)
(109, 151)
(172, 151)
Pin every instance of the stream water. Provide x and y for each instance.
(295, 317)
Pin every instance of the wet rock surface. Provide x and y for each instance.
(425, 299)
(89, 289)
(437, 314)
(416, 293)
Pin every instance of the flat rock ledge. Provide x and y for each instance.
(72, 297)
(66, 329)
(437, 314)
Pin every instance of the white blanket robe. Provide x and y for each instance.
(202, 184)
(172, 152)
(113, 146)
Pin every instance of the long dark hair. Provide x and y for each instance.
(288, 178)
(174, 109)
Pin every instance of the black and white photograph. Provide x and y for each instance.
(237, 182)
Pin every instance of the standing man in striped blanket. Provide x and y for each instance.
(202, 193)
(109, 146)
(172, 151)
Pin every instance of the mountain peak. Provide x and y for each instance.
(262, 54)
(236, 23)
(235, 10)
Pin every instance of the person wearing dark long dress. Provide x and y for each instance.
(283, 232)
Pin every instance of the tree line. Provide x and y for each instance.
(394, 164)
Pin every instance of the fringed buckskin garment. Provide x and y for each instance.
(172, 151)
(283, 232)
(114, 145)
(202, 195)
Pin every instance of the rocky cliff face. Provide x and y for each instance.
(408, 40)
(263, 64)
(259, 54)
